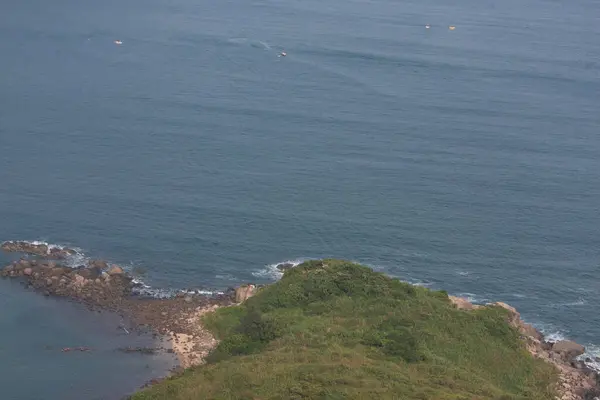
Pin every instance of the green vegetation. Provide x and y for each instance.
(336, 330)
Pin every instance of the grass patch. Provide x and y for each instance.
(336, 330)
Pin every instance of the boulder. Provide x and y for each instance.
(27, 271)
(49, 282)
(115, 270)
(79, 281)
(244, 292)
(284, 266)
(25, 247)
(8, 269)
(90, 273)
(24, 264)
(568, 350)
(101, 264)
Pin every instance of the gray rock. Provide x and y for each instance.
(49, 282)
(27, 271)
(90, 273)
(98, 264)
(568, 350)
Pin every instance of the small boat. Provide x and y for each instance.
(118, 42)
(452, 27)
(282, 54)
(427, 26)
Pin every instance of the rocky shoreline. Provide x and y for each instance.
(576, 380)
(102, 286)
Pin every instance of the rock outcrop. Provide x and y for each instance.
(115, 270)
(576, 380)
(85, 284)
(568, 350)
(37, 249)
(244, 292)
(463, 304)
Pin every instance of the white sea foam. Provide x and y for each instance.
(142, 289)
(271, 271)
(551, 332)
(554, 337)
(74, 260)
(474, 298)
(591, 357)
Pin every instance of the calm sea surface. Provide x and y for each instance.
(465, 159)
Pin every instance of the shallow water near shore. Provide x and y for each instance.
(464, 160)
(37, 330)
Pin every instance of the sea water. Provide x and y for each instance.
(464, 160)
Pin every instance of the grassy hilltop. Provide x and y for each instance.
(336, 330)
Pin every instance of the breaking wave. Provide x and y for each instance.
(144, 290)
(74, 260)
(270, 271)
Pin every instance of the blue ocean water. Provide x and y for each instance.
(463, 159)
